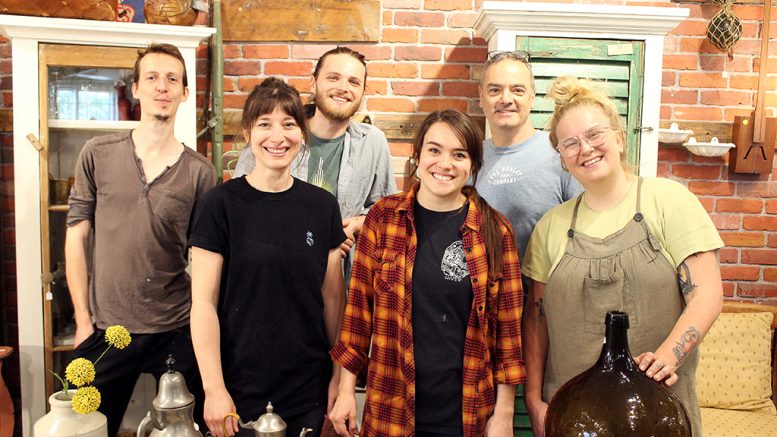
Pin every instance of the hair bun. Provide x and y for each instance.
(566, 89)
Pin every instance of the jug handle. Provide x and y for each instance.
(144, 424)
(224, 422)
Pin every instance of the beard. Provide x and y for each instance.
(331, 112)
(162, 117)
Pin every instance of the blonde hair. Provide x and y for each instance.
(569, 92)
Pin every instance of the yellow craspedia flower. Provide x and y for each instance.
(80, 372)
(86, 400)
(118, 336)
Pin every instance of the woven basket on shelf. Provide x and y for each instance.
(104, 10)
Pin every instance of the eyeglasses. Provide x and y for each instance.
(500, 55)
(594, 137)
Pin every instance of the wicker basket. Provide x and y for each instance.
(177, 12)
(89, 9)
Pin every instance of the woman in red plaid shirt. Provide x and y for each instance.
(435, 301)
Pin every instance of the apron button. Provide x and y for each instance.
(638, 217)
(570, 233)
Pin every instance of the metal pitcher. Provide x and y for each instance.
(267, 425)
(173, 408)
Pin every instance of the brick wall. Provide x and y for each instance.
(428, 58)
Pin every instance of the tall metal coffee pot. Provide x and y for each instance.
(267, 425)
(173, 408)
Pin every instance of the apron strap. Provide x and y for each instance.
(638, 215)
(571, 230)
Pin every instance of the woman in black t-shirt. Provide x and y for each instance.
(267, 283)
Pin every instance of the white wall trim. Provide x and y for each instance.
(501, 22)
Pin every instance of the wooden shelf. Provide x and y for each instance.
(93, 124)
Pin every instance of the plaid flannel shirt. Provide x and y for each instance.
(378, 321)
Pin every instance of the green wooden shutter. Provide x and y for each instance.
(618, 65)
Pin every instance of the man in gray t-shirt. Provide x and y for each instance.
(522, 175)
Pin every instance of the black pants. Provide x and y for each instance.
(118, 370)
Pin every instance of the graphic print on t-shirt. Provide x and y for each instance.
(454, 263)
(505, 175)
(309, 238)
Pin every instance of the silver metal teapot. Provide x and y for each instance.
(173, 407)
(267, 425)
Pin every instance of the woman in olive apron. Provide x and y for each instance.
(643, 246)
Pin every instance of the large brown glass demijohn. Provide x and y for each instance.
(614, 398)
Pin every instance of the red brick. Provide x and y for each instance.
(728, 255)
(726, 221)
(407, 88)
(728, 289)
(450, 37)
(707, 203)
(310, 51)
(235, 100)
(712, 62)
(757, 189)
(376, 87)
(726, 98)
(744, 82)
(230, 84)
(743, 239)
(465, 19)
(444, 71)
(465, 54)
(740, 64)
(387, 104)
(419, 19)
(740, 273)
(429, 105)
(691, 27)
(702, 80)
(417, 53)
(399, 35)
(663, 170)
(388, 18)
(460, 89)
(698, 113)
(771, 241)
(671, 44)
(696, 171)
(748, 12)
(750, 30)
(697, 45)
(759, 256)
(760, 223)
(687, 97)
(730, 113)
(232, 51)
(381, 69)
(401, 4)
(252, 51)
(668, 78)
(672, 154)
(288, 68)
(753, 206)
(771, 206)
(401, 148)
(241, 68)
(372, 52)
(448, 5)
(300, 84)
(758, 291)
(247, 84)
(770, 275)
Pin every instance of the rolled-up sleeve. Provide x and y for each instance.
(509, 365)
(81, 202)
(353, 346)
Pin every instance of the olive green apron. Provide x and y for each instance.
(625, 271)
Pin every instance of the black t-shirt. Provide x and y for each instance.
(270, 308)
(442, 299)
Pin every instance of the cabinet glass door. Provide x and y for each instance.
(85, 92)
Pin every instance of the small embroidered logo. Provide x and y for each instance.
(309, 238)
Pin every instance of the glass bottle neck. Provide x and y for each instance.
(615, 353)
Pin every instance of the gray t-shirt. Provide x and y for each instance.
(141, 227)
(523, 181)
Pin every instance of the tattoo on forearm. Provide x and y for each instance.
(538, 305)
(684, 278)
(685, 345)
